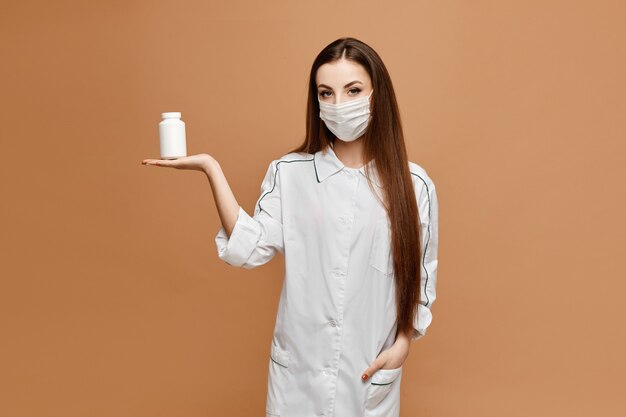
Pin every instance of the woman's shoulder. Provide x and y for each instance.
(276, 166)
(292, 157)
(420, 176)
(295, 156)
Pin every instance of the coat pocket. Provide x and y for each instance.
(277, 380)
(382, 383)
(279, 356)
(380, 252)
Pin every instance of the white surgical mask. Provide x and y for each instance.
(346, 120)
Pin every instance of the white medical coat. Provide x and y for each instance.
(337, 307)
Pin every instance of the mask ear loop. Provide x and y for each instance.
(371, 116)
(369, 98)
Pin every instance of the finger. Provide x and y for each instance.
(375, 366)
(160, 162)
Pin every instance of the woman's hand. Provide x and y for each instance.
(199, 162)
(391, 358)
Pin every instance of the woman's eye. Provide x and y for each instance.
(322, 93)
(357, 90)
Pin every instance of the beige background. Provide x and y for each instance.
(113, 301)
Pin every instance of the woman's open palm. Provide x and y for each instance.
(197, 162)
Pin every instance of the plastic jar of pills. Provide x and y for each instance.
(172, 136)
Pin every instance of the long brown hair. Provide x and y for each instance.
(384, 141)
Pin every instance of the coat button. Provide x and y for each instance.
(346, 219)
(338, 274)
(333, 323)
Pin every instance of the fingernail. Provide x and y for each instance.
(364, 377)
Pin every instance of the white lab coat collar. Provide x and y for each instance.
(327, 163)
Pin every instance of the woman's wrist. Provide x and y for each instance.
(210, 166)
(402, 337)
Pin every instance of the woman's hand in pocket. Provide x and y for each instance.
(199, 162)
(391, 358)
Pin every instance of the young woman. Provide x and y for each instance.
(357, 224)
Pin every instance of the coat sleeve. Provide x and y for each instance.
(429, 222)
(255, 240)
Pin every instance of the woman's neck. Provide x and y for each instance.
(349, 153)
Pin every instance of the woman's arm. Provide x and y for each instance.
(249, 241)
(429, 216)
(225, 202)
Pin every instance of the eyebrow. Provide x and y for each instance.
(345, 86)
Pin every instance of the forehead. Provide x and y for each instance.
(339, 73)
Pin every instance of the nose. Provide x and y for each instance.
(339, 100)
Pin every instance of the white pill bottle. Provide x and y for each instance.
(172, 136)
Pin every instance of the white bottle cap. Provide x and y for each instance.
(171, 115)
